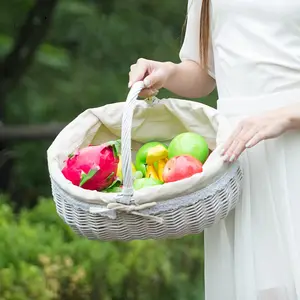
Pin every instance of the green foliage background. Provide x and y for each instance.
(40, 258)
(84, 62)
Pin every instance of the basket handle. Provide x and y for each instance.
(127, 191)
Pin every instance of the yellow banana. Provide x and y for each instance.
(160, 168)
(151, 173)
(155, 154)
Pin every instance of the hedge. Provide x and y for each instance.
(41, 258)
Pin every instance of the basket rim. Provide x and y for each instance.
(53, 155)
(201, 195)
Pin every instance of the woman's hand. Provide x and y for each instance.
(253, 130)
(154, 74)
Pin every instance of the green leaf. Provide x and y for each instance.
(88, 176)
(110, 176)
(114, 187)
(77, 8)
(47, 54)
(117, 182)
(116, 145)
(71, 155)
(5, 44)
(53, 57)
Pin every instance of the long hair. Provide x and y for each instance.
(204, 33)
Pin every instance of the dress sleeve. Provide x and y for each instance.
(190, 47)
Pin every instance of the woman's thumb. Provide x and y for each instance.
(151, 80)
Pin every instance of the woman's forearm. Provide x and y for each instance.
(188, 79)
(292, 115)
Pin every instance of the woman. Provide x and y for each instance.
(251, 51)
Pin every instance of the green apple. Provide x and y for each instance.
(145, 182)
(149, 153)
(189, 143)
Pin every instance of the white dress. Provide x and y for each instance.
(254, 254)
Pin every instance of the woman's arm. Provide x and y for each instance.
(186, 79)
(292, 114)
(189, 80)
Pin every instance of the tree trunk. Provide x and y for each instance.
(16, 63)
(30, 132)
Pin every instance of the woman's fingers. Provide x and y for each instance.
(146, 93)
(238, 146)
(155, 78)
(153, 74)
(145, 70)
(253, 130)
(138, 71)
(238, 143)
(230, 140)
(258, 137)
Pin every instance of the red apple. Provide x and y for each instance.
(180, 167)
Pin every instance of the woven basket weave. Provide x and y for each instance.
(172, 218)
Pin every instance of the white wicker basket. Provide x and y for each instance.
(172, 218)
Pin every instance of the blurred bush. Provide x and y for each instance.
(41, 258)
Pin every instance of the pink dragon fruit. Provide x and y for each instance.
(93, 167)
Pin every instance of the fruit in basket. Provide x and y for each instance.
(93, 167)
(138, 175)
(149, 154)
(119, 171)
(189, 143)
(115, 187)
(159, 168)
(151, 172)
(180, 167)
(145, 182)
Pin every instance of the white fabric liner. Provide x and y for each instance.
(160, 122)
